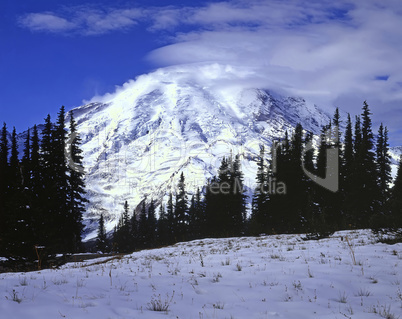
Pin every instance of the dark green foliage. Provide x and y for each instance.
(383, 161)
(4, 181)
(364, 191)
(143, 227)
(101, 239)
(170, 219)
(396, 199)
(163, 232)
(259, 213)
(151, 225)
(75, 187)
(225, 200)
(41, 199)
(122, 235)
(181, 211)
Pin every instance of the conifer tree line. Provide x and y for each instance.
(41, 197)
(364, 198)
(216, 210)
(285, 199)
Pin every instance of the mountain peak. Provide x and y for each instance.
(137, 141)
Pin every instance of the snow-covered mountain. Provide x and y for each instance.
(137, 141)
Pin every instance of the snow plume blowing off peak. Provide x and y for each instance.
(138, 140)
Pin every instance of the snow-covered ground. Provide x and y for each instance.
(267, 277)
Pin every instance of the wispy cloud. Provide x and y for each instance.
(46, 21)
(82, 20)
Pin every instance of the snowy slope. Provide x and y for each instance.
(138, 140)
(277, 276)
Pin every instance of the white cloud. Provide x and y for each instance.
(82, 20)
(332, 52)
(46, 22)
(328, 52)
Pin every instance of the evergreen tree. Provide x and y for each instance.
(163, 227)
(279, 206)
(76, 186)
(26, 198)
(259, 214)
(367, 190)
(181, 211)
(17, 223)
(134, 230)
(143, 231)
(237, 203)
(295, 182)
(200, 220)
(396, 198)
(47, 197)
(4, 178)
(36, 187)
(192, 224)
(151, 224)
(348, 151)
(212, 213)
(335, 199)
(310, 210)
(358, 135)
(196, 217)
(383, 161)
(170, 219)
(122, 235)
(347, 171)
(101, 240)
(66, 240)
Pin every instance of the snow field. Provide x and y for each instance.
(278, 276)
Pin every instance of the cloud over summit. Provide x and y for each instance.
(334, 53)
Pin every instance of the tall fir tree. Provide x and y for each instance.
(396, 199)
(368, 198)
(17, 223)
(348, 153)
(358, 135)
(347, 172)
(36, 187)
(76, 186)
(47, 196)
(210, 203)
(181, 210)
(238, 199)
(4, 181)
(122, 234)
(163, 227)
(295, 182)
(170, 219)
(383, 160)
(151, 224)
(196, 217)
(101, 239)
(310, 210)
(259, 215)
(192, 224)
(143, 231)
(65, 241)
(134, 230)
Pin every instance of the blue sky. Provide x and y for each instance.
(330, 52)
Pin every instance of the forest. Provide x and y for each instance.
(42, 197)
(285, 199)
